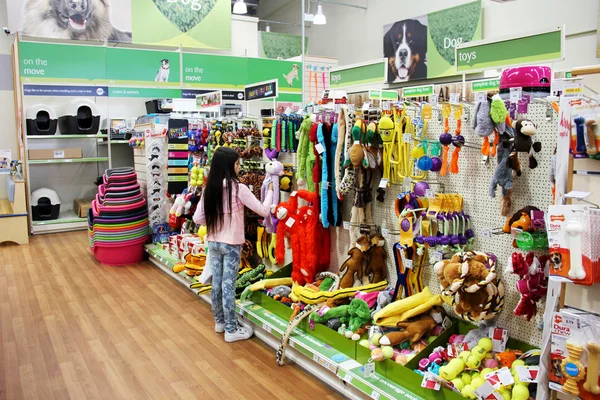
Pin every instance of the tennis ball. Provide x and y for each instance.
(458, 383)
(464, 355)
(452, 370)
(388, 351)
(486, 371)
(520, 392)
(505, 393)
(517, 363)
(377, 354)
(477, 382)
(364, 343)
(473, 362)
(479, 352)
(466, 378)
(486, 343)
(431, 339)
(375, 339)
(469, 392)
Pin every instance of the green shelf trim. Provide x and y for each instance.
(47, 137)
(68, 160)
(59, 221)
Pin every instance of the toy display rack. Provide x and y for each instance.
(346, 377)
(472, 182)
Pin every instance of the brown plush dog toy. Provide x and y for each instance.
(376, 269)
(413, 330)
(353, 265)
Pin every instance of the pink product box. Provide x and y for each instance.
(178, 154)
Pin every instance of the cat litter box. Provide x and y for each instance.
(40, 120)
(79, 117)
(45, 204)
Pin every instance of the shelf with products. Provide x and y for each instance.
(67, 221)
(69, 160)
(51, 137)
(344, 374)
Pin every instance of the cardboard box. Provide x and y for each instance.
(81, 207)
(51, 154)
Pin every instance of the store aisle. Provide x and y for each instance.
(71, 328)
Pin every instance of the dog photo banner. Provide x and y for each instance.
(189, 23)
(142, 67)
(424, 47)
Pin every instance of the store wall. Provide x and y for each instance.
(8, 136)
(353, 35)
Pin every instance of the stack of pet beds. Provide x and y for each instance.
(118, 219)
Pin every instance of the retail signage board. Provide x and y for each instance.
(545, 46)
(210, 99)
(417, 91)
(62, 90)
(374, 94)
(358, 74)
(485, 85)
(142, 67)
(389, 95)
(147, 93)
(261, 91)
(53, 63)
(431, 39)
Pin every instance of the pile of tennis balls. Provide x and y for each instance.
(380, 353)
(196, 176)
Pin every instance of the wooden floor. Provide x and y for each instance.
(72, 328)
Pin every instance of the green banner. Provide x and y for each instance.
(142, 67)
(191, 23)
(49, 62)
(148, 93)
(374, 94)
(288, 73)
(417, 91)
(423, 47)
(485, 85)
(357, 75)
(389, 95)
(280, 46)
(478, 56)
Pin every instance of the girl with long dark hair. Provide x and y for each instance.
(221, 209)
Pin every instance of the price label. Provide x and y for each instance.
(267, 328)
(486, 233)
(375, 395)
(325, 185)
(434, 99)
(480, 96)
(290, 222)
(383, 183)
(309, 109)
(348, 378)
(438, 256)
(68, 160)
(351, 107)
(369, 370)
(515, 94)
(408, 264)
(385, 233)
(499, 339)
(320, 149)
(430, 193)
(528, 374)
(59, 154)
(338, 108)
(406, 182)
(294, 194)
(407, 137)
(346, 225)
(454, 98)
(431, 384)
(385, 105)
(446, 323)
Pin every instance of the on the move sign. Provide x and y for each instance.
(487, 54)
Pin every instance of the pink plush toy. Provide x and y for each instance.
(273, 170)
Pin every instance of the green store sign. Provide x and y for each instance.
(81, 64)
(481, 55)
(417, 91)
(357, 75)
(486, 85)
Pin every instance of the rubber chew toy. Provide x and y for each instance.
(592, 150)
(580, 148)
(573, 369)
(574, 230)
(591, 382)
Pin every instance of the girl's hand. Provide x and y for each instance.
(271, 186)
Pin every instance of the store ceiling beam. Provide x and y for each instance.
(337, 3)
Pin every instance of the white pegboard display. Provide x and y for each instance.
(533, 187)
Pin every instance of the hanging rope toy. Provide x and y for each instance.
(458, 141)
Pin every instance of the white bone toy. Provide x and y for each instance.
(591, 382)
(574, 230)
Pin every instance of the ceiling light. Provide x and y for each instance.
(268, 29)
(240, 7)
(320, 18)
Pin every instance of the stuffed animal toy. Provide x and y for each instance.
(524, 142)
(353, 265)
(193, 265)
(483, 123)
(360, 315)
(503, 177)
(465, 271)
(520, 220)
(376, 268)
(532, 284)
(412, 330)
(498, 113)
(273, 169)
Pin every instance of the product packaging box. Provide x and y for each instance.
(52, 154)
(81, 207)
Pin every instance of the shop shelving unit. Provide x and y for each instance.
(54, 173)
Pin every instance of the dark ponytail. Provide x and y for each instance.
(222, 168)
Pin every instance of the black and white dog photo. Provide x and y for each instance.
(163, 72)
(405, 47)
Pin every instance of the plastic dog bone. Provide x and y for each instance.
(591, 382)
(574, 230)
(573, 369)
